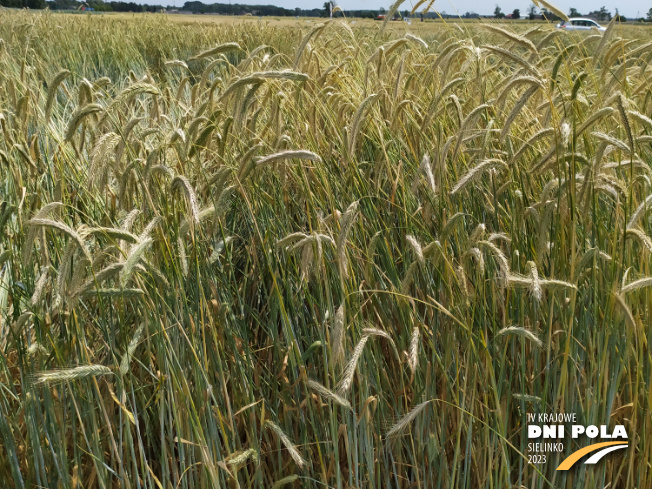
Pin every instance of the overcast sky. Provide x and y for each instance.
(629, 8)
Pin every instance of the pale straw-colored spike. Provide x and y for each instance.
(291, 447)
(134, 257)
(535, 286)
(637, 284)
(416, 247)
(639, 211)
(328, 394)
(126, 358)
(348, 218)
(236, 459)
(522, 332)
(337, 339)
(67, 375)
(475, 173)
(298, 154)
(40, 286)
(181, 183)
(413, 355)
(407, 420)
(349, 371)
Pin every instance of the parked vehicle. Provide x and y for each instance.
(580, 24)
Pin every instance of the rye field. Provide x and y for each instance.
(320, 255)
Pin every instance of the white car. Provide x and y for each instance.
(579, 24)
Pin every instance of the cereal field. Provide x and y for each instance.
(265, 254)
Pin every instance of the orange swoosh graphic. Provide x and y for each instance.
(575, 456)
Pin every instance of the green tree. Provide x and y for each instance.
(548, 15)
(326, 12)
(649, 15)
(573, 12)
(498, 13)
(516, 14)
(531, 12)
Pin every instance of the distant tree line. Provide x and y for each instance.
(237, 9)
(601, 14)
(100, 6)
(197, 7)
(34, 4)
